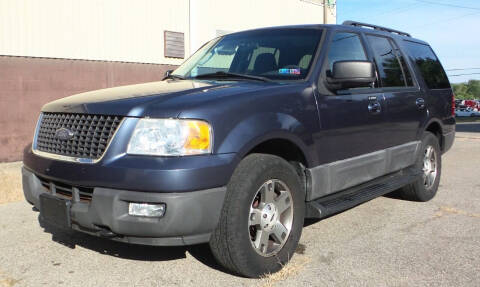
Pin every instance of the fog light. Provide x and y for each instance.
(146, 209)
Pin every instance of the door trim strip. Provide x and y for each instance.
(336, 176)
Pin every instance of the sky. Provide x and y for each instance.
(449, 26)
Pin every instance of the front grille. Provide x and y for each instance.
(91, 134)
(66, 190)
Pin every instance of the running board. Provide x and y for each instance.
(346, 199)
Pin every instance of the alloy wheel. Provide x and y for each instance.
(271, 217)
(429, 167)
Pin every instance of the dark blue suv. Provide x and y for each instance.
(253, 133)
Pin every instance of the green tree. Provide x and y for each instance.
(467, 91)
(474, 88)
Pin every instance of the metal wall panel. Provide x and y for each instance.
(133, 31)
(111, 30)
(174, 44)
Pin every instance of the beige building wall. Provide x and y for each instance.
(211, 18)
(133, 30)
(110, 30)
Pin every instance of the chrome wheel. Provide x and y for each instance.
(271, 217)
(429, 167)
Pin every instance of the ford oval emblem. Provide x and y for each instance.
(64, 134)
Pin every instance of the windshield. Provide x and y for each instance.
(277, 54)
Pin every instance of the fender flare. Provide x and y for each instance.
(427, 123)
(259, 128)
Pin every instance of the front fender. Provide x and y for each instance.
(258, 128)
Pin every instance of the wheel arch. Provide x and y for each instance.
(281, 147)
(287, 150)
(271, 133)
(435, 127)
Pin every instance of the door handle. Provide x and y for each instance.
(420, 102)
(374, 108)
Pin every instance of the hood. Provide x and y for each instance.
(165, 99)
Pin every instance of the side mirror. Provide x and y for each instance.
(351, 74)
(167, 73)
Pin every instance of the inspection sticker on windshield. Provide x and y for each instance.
(289, 71)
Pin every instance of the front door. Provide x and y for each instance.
(353, 123)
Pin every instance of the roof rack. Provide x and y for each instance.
(375, 27)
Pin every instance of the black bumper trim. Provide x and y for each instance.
(190, 217)
(448, 140)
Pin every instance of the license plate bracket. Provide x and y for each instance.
(55, 210)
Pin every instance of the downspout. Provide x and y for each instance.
(325, 11)
(189, 28)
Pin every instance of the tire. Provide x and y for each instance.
(426, 187)
(236, 242)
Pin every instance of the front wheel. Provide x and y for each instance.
(262, 217)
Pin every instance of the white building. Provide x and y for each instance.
(133, 31)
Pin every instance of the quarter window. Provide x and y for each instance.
(390, 63)
(428, 64)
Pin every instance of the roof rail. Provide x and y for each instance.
(380, 28)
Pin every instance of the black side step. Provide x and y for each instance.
(351, 197)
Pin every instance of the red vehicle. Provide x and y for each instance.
(472, 104)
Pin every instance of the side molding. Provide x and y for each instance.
(336, 176)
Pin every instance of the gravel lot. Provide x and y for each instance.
(384, 242)
(10, 182)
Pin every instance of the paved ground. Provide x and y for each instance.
(385, 242)
(10, 182)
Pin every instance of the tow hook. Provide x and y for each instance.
(106, 233)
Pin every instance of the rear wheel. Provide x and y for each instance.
(430, 163)
(262, 217)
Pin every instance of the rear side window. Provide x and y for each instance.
(428, 64)
(345, 47)
(406, 71)
(392, 70)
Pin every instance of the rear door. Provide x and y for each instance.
(434, 82)
(405, 102)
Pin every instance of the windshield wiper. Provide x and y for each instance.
(221, 74)
(173, 76)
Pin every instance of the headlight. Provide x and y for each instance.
(170, 137)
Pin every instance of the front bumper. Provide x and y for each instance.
(190, 217)
(139, 173)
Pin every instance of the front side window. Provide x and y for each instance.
(278, 54)
(428, 64)
(345, 47)
(390, 70)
